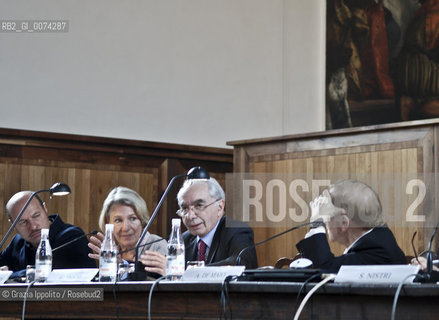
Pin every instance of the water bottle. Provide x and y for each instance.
(175, 258)
(108, 257)
(43, 258)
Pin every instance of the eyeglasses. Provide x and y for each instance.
(197, 208)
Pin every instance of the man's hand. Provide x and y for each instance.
(422, 262)
(323, 209)
(154, 262)
(95, 244)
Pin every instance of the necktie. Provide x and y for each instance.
(201, 251)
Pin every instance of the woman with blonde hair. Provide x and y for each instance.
(127, 211)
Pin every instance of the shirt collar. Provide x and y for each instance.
(208, 238)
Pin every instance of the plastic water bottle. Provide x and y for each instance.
(108, 257)
(175, 259)
(43, 257)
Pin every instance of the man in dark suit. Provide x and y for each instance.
(211, 236)
(22, 249)
(352, 213)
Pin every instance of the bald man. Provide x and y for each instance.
(22, 249)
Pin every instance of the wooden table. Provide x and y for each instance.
(248, 300)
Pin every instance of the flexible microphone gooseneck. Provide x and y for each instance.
(142, 245)
(314, 224)
(194, 173)
(58, 189)
(94, 232)
(429, 254)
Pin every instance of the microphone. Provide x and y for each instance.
(58, 189)
(430, 255)
(193, 173)
(143, 245)
(94, 232)
(139, 271)
(313, 224)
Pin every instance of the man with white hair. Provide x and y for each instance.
(352, 213)
(211, 236)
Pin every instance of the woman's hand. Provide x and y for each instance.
(94, 244)
(154, 262)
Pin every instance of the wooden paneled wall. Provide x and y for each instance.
(397, 160)
(92, 166)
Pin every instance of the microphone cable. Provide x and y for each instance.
(225, 300)
(150, 293)
(302, 290)
(398, 290)
(116, 301)
(23, 311)
(326, 279)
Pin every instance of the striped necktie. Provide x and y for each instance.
(201, 250)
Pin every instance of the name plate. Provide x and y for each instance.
(211, 274)
(4, 275)
(72, 275)
(376, 274)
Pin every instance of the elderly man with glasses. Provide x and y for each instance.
(352, 213)
(211, 236)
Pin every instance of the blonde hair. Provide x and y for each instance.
(124, 196)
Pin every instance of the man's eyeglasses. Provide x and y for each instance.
(197, 208)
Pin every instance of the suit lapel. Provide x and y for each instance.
(216, 241)
(192, 249)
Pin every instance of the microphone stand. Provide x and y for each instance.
(193, 173)
(139, 272)
(94, 232)
(314, 224)
(429, 253)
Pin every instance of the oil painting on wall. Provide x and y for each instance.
(382, 61)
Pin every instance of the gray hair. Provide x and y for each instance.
(124, 196)
(215, 189)
(360, 202)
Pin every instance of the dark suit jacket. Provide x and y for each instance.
(20, 253)
(230, 238)
(377, 247)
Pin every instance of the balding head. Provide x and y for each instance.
(33, 219)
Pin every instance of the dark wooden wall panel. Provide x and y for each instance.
(92, 166)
